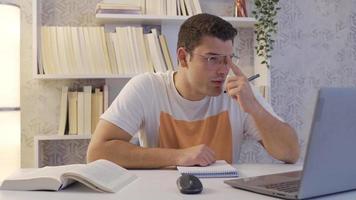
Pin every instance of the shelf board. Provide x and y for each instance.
(77, 76)
(242, 22)
(61, 137)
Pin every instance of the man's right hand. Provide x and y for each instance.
(200, 155)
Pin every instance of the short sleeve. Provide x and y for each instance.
(127, 111)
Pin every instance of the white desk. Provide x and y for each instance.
(161, 184)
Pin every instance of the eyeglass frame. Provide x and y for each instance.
(221, 62)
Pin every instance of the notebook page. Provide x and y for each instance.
(219, 169)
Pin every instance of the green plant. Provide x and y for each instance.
(265, 12)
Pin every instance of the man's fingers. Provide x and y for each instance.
(211, 158)
(236, 70)
(208, 156)
(211, 152)
(206, 160)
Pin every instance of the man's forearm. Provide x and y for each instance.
(279, 139)
(131, 156)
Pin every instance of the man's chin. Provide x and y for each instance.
(216, 92)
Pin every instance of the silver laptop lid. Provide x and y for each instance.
(330, 162)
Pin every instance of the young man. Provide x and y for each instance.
(183, 117)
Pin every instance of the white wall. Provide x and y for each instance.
(316, 46)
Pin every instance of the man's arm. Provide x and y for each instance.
(112, 143)
(279, 139)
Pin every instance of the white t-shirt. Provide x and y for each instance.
(149, 105)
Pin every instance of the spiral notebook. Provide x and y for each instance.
(216, 170)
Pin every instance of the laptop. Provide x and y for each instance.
(330, 161)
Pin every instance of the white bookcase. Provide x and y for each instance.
(169, 27)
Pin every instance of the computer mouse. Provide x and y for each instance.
(189, 184)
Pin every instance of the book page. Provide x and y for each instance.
(102, 175)
(46, 178)
(218, 169)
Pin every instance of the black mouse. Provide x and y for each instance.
(189, 184)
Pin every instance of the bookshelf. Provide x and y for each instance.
(169, 27)
(242, 22)
(90, 76)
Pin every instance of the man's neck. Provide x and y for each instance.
(184, 88)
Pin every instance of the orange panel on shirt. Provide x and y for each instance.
(214, 131)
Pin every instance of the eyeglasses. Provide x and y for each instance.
(216, 61)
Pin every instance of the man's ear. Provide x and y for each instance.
(182, 56)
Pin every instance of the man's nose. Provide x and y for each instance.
(225, 68)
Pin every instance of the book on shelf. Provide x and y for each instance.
(118, 8)
(178, 11)
(105, 97)
(156, 51)
(172, 8)
(103, 49)
(77, 51)
(133, 3)
(100, 175)
(80, 113)
(150, 7)
(43, 61)
(90, 51)
(68, 42)
(87, 109)
(62, 51)
(144, 55)
(183, 8)
(165, 51)
(189, 8)
(216, 170)
(124, 52)
(72, 110)
(111, 53)
(197, 8)
(155, 7)
(93, 47)
(81, 109)
(133, 48)
(63, 111)
(96, 107)
(73, 50)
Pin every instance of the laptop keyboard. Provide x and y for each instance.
(291, 186)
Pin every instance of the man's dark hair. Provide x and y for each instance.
(196, 27)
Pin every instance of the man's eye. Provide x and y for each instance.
(213, 59)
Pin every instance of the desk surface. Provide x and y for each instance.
(161, 184)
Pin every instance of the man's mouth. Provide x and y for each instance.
(218, 82)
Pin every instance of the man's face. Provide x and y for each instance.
(208, 66)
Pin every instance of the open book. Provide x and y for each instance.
(218, 169)
(100, 175)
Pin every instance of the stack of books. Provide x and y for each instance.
(91, 51)
(118, 8)
(150, 7)
(80, 110)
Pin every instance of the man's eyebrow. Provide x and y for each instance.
(217, 54)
